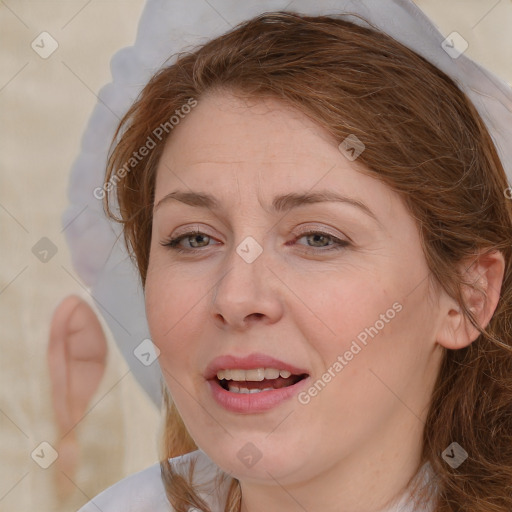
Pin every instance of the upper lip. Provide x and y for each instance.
(229, 362)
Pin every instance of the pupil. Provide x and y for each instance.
(200, 237)
(315, 237)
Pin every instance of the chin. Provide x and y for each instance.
(261, 462)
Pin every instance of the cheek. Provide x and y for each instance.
(370, 357)
(346, 307)
(172, 305)
(381, 342)
(363, 324)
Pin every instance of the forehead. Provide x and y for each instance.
(228, 145)
(225, 125)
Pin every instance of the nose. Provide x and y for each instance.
(248, 292)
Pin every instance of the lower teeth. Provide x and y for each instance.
(234, 389)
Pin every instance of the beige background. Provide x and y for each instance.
(45, 108)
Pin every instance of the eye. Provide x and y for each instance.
(194, 236)
(320, 237)
(199, 240)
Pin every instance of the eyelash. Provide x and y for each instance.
(172, 243)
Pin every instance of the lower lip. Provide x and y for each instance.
(254, 402)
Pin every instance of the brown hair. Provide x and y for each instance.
(426, 141)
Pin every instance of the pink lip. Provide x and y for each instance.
(251, 402)
(249, 362)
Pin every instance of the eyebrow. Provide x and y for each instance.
(280, 204)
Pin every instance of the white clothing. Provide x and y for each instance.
(144, 491)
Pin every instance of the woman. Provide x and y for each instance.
(308, 374)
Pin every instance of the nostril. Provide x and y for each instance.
(256, 315)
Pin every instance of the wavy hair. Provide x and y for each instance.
(426, 141)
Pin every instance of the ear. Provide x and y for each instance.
(77, 352)
(485, 272)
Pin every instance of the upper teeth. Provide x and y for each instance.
(256, 374)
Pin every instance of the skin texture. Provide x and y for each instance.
(355, 445)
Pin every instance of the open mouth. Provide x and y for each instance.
(257, 380)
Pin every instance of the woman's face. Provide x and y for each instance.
(329, 289)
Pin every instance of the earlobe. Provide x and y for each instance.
(484, 275)
(77, 352)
